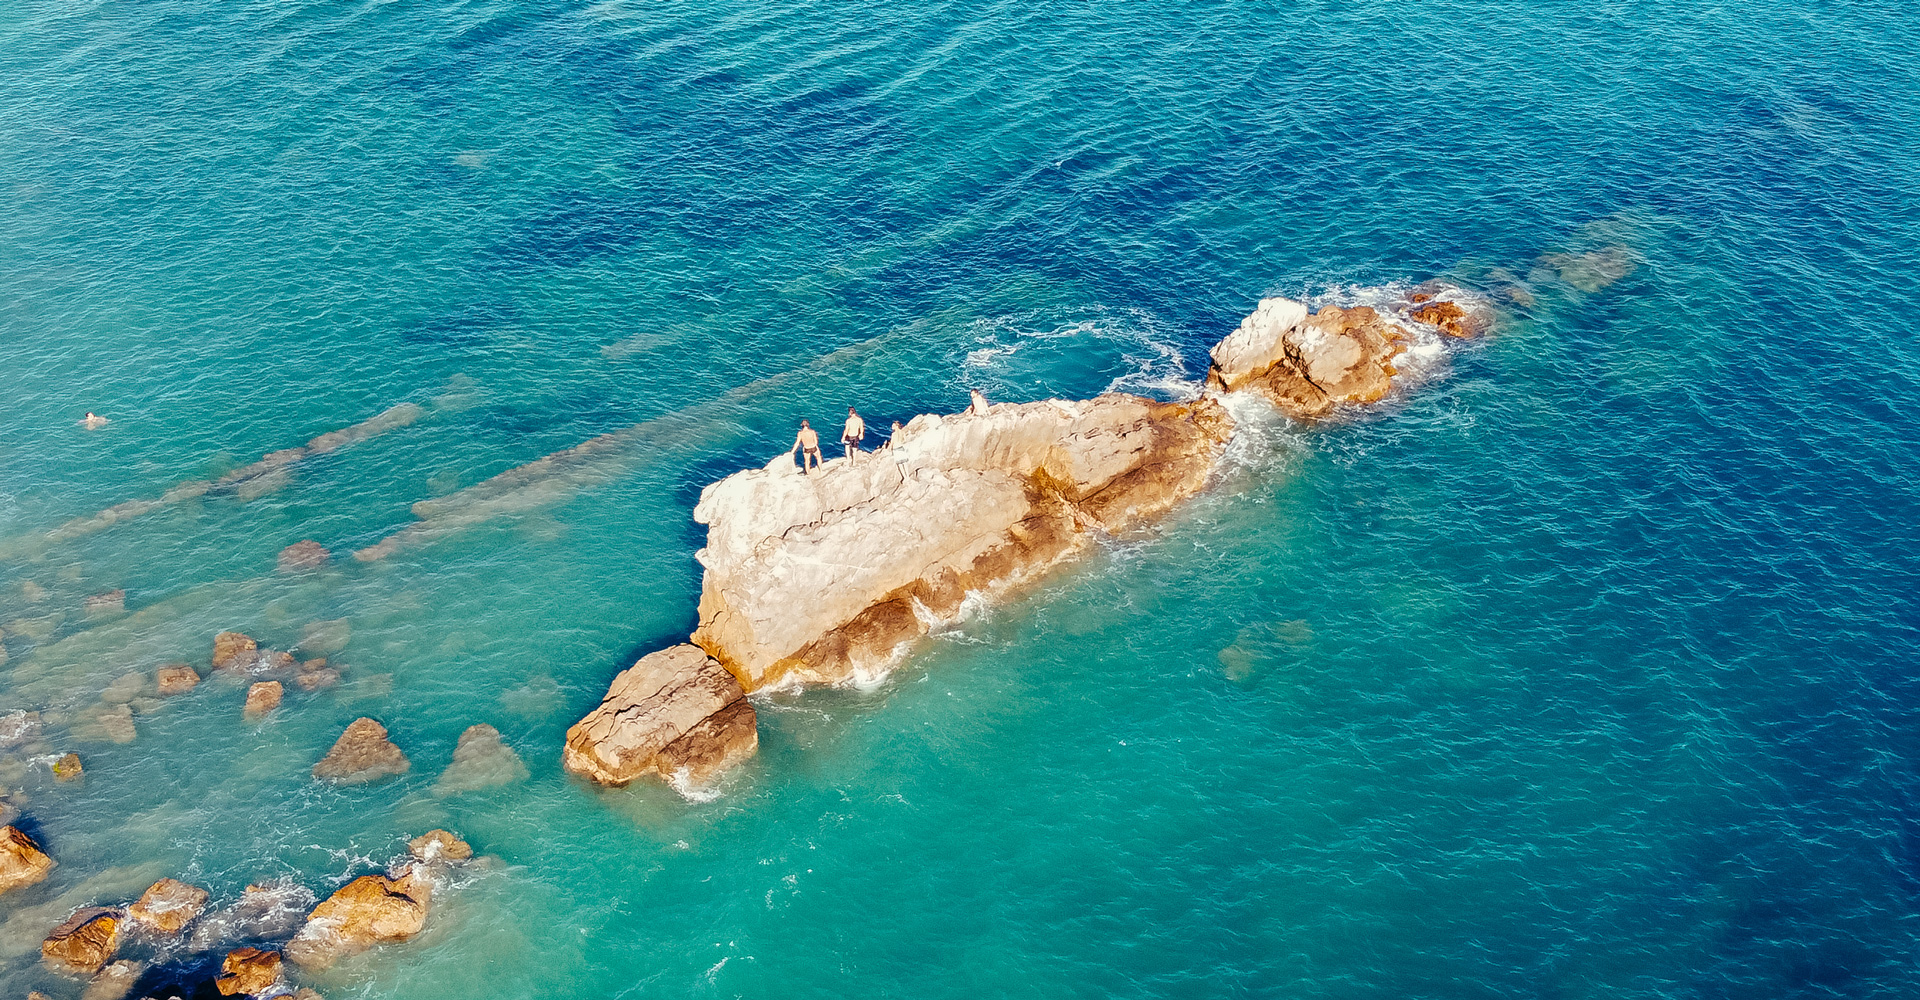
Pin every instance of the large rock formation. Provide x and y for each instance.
(22, 863)
(674, 711)
(248, 972)
(370, 910)
(1308, 364)
(819, 578)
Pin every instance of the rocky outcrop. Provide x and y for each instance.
(262, 698)
(361, 754)
(439, 845)
(175, 678)
(1306, 365)
(481, 760)
(22, 863)
(370, 910)
(669, 711)
(820, 578)
(68, 767)
(248, 972)
(239, 654)
(168, 906)
(85, 942)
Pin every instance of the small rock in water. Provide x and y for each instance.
(482, 760)
(654, 706)
(22, 863)
(361, 754)
(303, 555)
(230, 647)
(369, 910)
(168, 906)
(18, 729)
(68, 768)
(176, 678)
(114, 981)
(85, 942)
(1452, 319)
(248, 971)
(436, 845)
(262, 698)
(112, 602)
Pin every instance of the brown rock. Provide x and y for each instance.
(231, 650)
(315, 675)
(22, 863)
(482, 760)
(68, 768)
(361, 754)
(369, 910)
(176, 678)
(248, 971)
(85, 942)
(435, 845)
(303, 555)
(650, 706)
(1452, 319)
(168, 906)
(115, 981)
(262, 698)
(1308, 365)
(112, 602)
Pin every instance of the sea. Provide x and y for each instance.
(1584, 666)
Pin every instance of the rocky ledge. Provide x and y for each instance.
(830, 576)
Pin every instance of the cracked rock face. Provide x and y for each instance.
(168, 905)
(85, 942)
(820, 578)
(1308, 364)
(675, 712)
(22, 863)
(361, 754)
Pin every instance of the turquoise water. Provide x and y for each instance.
(1584, 668)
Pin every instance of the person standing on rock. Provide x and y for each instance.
(979, 404)
(808, 441)
(855, 432)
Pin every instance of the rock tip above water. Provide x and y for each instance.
(362, 754)
(675, 710)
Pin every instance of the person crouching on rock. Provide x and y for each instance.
(808, 441)
(855, 432)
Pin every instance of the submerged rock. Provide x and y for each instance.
(825, 577)
(248, 971)
(1592, 270)
(22, 863)
(439, 845)
(235, 653)
(114, 981)
(266, 911)
(85, 942)
(112, 602)
(362, 754)
(315, 675)
(262, 698)
(230, 647)
(370, 910)
(651, 710)
(324, 638)
(168, 906)
(17, 729)
(481, 760)
(302, 555)
(175, 678)
(1308, 364)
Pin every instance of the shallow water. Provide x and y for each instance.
(1582, 668)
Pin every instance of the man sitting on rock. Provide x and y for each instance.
(808, 441)
(855, 432)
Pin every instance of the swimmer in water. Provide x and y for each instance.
(93, 421)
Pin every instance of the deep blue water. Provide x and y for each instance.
(1583, 667)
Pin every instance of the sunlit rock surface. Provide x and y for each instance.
(675, 712)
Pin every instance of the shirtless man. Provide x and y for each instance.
(808, 441)
(855, 432)
(979, 402)
(93, 421)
